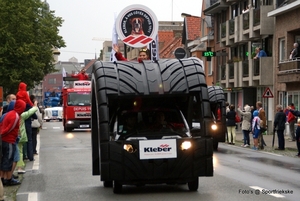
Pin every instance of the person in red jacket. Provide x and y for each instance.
(23, 95)
(143, 54)
(292, 120)
(81, 75)
(9, 133)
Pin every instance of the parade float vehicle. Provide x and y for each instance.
(174, 152)
(218, 108)
(76, 101)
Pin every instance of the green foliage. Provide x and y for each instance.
(28, 34)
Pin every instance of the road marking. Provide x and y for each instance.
(32, 196)
(56, 127)
(261, 189)
(272, 153)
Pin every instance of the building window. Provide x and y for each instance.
(52, 81)
(109, 48)
(281, 49)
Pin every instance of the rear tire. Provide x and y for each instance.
(117, 188)
(215, 145)
(68, 129)
(108, 184)
(193, 185)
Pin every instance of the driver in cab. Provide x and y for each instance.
(160, 122)
(130, 125)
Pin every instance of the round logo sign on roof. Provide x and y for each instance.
(180, 53)
(137, 25)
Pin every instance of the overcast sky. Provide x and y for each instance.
(88, 19)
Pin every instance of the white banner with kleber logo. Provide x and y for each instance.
(158, 149)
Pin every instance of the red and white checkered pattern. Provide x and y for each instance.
(137, 41)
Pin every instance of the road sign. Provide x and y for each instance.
(180, 53)
(268, 93)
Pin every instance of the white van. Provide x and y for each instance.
(53, 113)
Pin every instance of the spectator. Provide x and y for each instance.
(246, 124)
(23, 95)
(81, 75)
(291, 119)
(36, 124)
(263, 124)
(231, 124)
(23, 136)
(9, 98)
(16, 157)
(255, 129)
(295, 52)
(144, 54)
(9, 134)
(279, 125)
(227, 107)
(298, 137)
(27, 147)
(259, 53)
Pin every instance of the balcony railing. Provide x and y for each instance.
(231, 26)
(245, 68)
(246, 21)
(289, 66)
(256, 68)
(256, 17)
(231, 70)
(223, 30)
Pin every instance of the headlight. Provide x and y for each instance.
(129, 148)
(186, 145)
(214, 127)
(70, 122)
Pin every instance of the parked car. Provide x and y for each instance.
(53, 113)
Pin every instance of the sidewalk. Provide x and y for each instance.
(290, 147)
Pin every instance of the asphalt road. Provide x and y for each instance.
(62, 171)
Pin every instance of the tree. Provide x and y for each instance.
(28, 35)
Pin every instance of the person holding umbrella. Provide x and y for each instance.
(279, 125)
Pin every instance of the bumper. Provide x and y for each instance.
(127, 168)
(78, 124)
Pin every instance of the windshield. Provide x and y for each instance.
(79, 99)
(151, 123)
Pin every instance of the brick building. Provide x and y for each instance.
(287, 71)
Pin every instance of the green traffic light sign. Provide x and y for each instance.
(209, 54)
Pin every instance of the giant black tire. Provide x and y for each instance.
(108, 184)
(117, 188)
(216, 94)
(194, 184)
(215, 145)
(217, 98)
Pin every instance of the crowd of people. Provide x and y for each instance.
(254, 122)
(20, 121)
